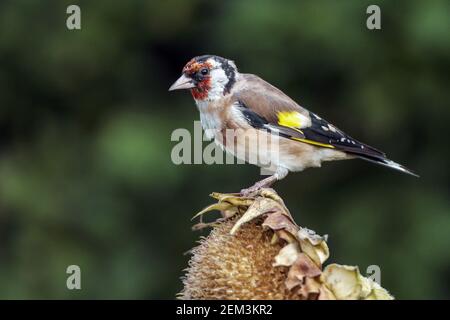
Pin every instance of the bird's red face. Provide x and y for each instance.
(207, 77)
(199, 72)
(196, 77)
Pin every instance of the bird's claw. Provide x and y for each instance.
(252, 191)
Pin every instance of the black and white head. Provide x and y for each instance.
(208, 77)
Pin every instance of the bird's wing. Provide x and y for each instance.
(266, 107)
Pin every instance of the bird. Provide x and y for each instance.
(229, 100)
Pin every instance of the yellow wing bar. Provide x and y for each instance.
(295, 120)
(314, 143)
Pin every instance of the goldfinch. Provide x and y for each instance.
(230, 100)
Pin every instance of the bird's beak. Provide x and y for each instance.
(183, 82)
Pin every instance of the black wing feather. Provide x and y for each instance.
(259, 122)
(323, 132)
(264, 117)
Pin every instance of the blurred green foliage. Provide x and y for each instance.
(85, 120)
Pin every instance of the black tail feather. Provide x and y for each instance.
(388, 163)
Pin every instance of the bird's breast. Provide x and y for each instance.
(211, 118)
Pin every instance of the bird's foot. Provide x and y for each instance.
(248, 192)
(253, 190)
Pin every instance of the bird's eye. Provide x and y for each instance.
(204, 71)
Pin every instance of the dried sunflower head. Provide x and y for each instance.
(260, 253)
(238, 266)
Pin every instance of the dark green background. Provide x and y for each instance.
(85, 122)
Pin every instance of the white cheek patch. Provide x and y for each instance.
(219, 77)
(218, 82)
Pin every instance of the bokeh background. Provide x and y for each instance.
(86, 176)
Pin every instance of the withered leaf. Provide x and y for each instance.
(279, 220)
(346, 283)
(287, 255)
(258, 208)
(313, 245)
(220, 206)
(310, 289)
(343, 281)
(301, 268)
(326, 294)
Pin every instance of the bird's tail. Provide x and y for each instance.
(388, 163)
